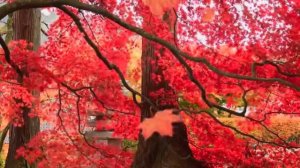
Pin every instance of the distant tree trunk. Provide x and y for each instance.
(157, 151)
(26, 26)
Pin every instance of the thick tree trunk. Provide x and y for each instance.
(157, 151)
(26, 26)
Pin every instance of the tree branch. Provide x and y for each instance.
(179, 55)
(286, 145)
(108, 64)
(266, 62)
(66, 132)
(8, 59)
(17, 5)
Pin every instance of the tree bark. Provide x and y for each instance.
(26, 26)
(158, 151)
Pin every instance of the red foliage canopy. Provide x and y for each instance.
(229, 58)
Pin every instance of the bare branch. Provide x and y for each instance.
(44, 32)
(107, 108)
(266, 62)
(66, 132)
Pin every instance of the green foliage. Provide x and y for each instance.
(184, 104)
(129, 145)
(2, 162)
(294, 138)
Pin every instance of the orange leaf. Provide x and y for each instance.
(161, 123)
(158, 7)
(208, 15)
(226, 50)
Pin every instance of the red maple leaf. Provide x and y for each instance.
(161, 123)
